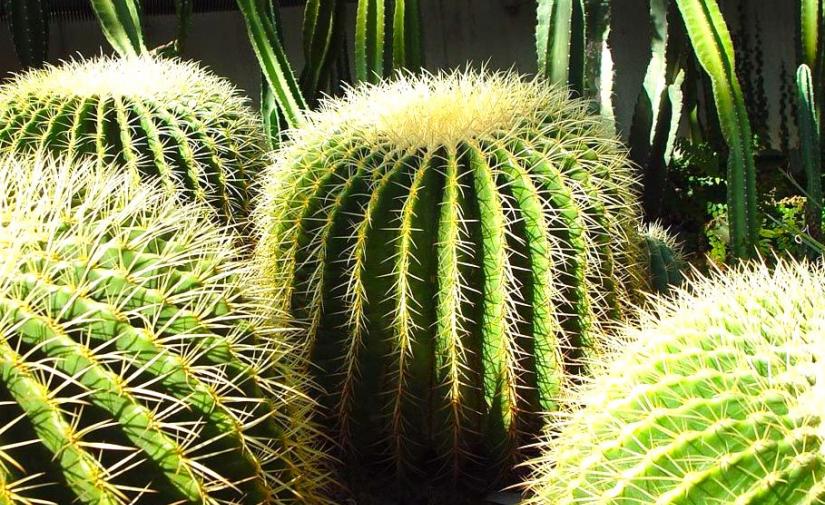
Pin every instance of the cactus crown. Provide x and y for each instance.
(421, 111)
(165, 119)
(135, 358)
(717, 398)
(449, 242)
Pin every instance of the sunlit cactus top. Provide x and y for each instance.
(450, 242)
(137, 363)
(168, 119)
(717, 398)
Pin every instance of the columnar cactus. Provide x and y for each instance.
(451, 244)
(717, 399)
(167, 119)
(665, 260)
(136, 365)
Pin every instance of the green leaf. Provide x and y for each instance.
(263, 34)
(714, 49)
(29, 25)
(120, 21)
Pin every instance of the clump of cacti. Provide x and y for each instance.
(665, 259)
(451, 243)
(137, 364)
(717, 398)
(162, 118)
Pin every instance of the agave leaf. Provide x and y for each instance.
(263, 34)
(712, 44)
(120, 21)
(322, 33)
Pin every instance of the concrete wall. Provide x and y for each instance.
(498, 33)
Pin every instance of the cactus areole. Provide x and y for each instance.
(717, 399)
(162, 118)
(135, 365)
(449, 243)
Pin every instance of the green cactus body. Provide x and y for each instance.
(450, 244)
(135, 362)
(162, 118)
(717, 399)
(665, 259)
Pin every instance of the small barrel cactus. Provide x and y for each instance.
(665, 259)
(717, 399)
(136, 365)
(450, 243)
(163, 118)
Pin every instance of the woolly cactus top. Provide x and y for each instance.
(146, 76)
(443, 110)
(135, 356)
(717, 398)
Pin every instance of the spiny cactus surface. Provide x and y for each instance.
(718, 399)
(163, 118)
(665, 259)
(136, 365)
(450, 244)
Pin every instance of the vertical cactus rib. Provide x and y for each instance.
(359, 273)
(453, 347)
(545, 323)
(497, 324)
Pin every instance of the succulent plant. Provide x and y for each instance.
(137, 364)
(716, 399)
(163, 118)
(450, 243)
(665, 259)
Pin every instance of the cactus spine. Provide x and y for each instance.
(135, 360)
(718, 398)
(450, 244)
(165, 119)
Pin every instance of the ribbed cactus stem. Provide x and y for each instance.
(449, 243)
(716, 398)
(665, 259)
(135, 356)
(160, 118)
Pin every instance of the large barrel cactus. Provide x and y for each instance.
(450, 243)
(136, 362)
(717, 399)
(166, 119)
